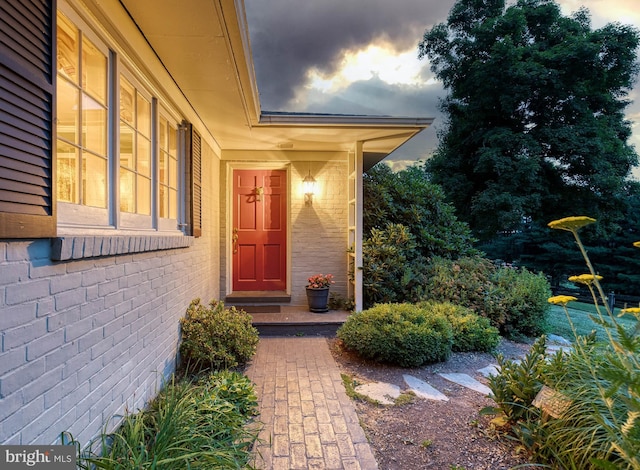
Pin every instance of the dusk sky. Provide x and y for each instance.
(360, 57)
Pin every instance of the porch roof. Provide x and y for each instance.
(204, 45)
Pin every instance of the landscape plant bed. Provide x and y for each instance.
(443, 435)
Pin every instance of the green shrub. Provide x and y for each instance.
(471, 332)
(408, 198)
(402, 334)
(188, 425)
(393, 268)
(233, 388)
(216, 338)
(514, 300)
(517, 384)
(465, 281)
(521, 302)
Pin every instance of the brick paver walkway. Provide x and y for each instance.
(309, 422)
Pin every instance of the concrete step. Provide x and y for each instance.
(294, 321)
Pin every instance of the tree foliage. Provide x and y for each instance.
(408, 198)
(612, 253)
(536, 127)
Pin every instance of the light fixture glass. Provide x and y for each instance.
(309, 188)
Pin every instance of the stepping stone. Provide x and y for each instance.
(467, 381)
(554, 348)
(380, 391)
(423, 389)
(491, 369)
(556, 339)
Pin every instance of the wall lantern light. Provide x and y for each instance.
(309, 188)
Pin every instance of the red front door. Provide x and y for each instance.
(259, 230)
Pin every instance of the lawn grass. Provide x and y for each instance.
(579, 312)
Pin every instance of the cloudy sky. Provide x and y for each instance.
(360, 57)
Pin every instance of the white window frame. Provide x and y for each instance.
(130, 220)
(78, 215)
(168, 223)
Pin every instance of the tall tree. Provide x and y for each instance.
(536, 127)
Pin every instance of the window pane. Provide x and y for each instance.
(94, 180)
(94, 71)
(94, 126)
(126, 147)
(127, 93)
(67, 173)
(143, 156)
(144, 116)
(127, 191)
(162, 137)
(67, 100)
(164, 202)
(67, 37)
(173, 204)
(173, 173)
(173, 137)
(144, 195)
(164, 168)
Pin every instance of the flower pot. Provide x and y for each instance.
(318, 299)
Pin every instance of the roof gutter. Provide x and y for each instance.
(349, 120)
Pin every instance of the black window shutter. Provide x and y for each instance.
(27, 109)
(194, 181)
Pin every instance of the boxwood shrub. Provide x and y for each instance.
(471, 332)
(404, 334)
(215, 337)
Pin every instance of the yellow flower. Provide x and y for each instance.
(635, 311)
(571, 224)
(586, 279)
(561, 299)
(630, 310)
(636, 244)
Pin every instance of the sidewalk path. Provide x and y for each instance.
(309, 422)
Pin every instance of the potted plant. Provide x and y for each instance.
(318, 292)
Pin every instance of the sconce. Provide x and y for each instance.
(309, 188)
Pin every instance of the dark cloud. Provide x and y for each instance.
(290, 37)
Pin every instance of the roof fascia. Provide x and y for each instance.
(331, 120)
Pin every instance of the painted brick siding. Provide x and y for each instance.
(319, 232)
(84, 340)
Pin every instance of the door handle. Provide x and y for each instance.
(234, 239)
(259, 193)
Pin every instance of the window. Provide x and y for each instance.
(135, 149)
(125, 177)
(82, 163)
(61, 156)
(168, 168)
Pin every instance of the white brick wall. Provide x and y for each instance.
(81, 341)
(319, 232)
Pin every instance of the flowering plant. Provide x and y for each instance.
(318, 281)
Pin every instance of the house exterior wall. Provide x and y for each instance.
(83, 341)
